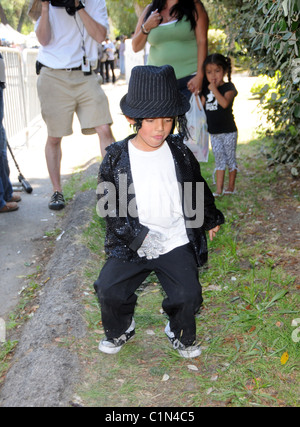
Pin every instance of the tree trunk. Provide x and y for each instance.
(22, 17)
(3, 18)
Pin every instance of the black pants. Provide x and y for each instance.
(178, 274)
(111, 65)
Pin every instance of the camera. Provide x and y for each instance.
(63, 3)
(69, 5)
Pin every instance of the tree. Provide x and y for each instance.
(14, 13)
(3, 18)
(124, 14)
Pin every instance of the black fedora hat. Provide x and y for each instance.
(153, 92)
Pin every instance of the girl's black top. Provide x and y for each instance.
(219, 119)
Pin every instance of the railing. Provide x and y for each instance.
(21, 103)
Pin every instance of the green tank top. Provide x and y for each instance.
(174, 44)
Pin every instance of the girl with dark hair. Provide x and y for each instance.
(217, 98)
(177, 33)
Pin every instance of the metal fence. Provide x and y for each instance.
(21, 103)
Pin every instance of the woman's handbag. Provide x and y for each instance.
(197, 126)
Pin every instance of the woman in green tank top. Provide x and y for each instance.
(177, 33)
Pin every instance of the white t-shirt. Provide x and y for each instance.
(111, 52)
(65, 47)
(157, 194)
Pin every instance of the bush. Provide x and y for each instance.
(270, 32)
(263, 85)
(217, 42)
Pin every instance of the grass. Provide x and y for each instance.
(244, 326)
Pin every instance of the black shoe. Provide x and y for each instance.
(184, 351)
(57, 201)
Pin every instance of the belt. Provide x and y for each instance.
(39, 66)
(86, 73)
(70, 69)
(65, 69)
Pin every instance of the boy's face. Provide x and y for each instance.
(152, 133)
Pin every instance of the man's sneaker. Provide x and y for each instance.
(113, 346)
(57, 201)
(187, 352)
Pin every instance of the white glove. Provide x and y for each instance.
(152, 246)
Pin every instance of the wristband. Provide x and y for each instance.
(144, 31)
(81, 5)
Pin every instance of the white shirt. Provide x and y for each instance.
(111, 52)
(157, 194)
(68, 32)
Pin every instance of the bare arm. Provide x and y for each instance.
(95, 30)
(139, 39)
(43, 31)
(223, 100)
(195, 84)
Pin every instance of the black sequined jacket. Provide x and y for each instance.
(124, 233)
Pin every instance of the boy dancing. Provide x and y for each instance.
(151, 192)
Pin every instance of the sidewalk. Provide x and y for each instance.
(20, 230)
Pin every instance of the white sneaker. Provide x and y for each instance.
(187, 352)
(113, 346)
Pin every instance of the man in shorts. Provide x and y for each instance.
(69, 38)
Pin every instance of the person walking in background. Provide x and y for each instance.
(8, 199)
(68, 54)
(177, 33)
(109, 49)
(217, 98)
(122, 55)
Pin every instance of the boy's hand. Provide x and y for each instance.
(152, 246)
(213, 231)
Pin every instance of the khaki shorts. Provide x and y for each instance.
(63, 92)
